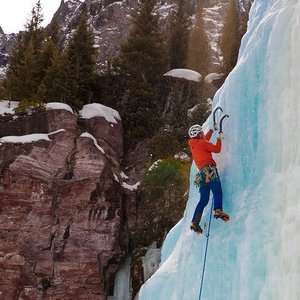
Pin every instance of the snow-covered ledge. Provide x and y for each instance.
(98, 110)
(185, 74)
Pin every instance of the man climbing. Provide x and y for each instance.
(207, 177)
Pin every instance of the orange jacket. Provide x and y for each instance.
(202, 150)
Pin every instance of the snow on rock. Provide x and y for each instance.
(7, 107)
(155, 164)
(29, 138)
(2, 72)
(192, 110)
(98, 110)
(123, 175)
(213, 76)
(185, 74)
(182, 156)
(58, 105)
(88, 135)
(130, 187)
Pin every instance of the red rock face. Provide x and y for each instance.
(61, 209)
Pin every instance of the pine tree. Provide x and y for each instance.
(34, 30)
(142, 61)
(27, 70)
(49, 47)
(12, 84)
(179, 30)
(230, 41)
(52, 32)
(58, 84)
(82, 58)
(198, 48)
(24, 74)
(143, 56)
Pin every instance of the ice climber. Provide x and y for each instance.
(207, 178)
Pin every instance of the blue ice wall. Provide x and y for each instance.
(256, 256)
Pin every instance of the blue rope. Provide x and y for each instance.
(205, 255)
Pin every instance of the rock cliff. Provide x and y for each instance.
(69, 215)
(61, 205)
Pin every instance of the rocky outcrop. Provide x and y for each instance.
(62, 210)
(7, 42)
(109, 20)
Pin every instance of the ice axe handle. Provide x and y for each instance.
(221, 123)
(214, 113)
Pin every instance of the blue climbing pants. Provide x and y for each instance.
(208, 179)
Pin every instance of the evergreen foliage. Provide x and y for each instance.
(29, 106)
(179, 31)
(142, 61)
(82, 59)
(230, 41)
(143, 56)
(168, 173)
(23, 74)
(57, 79)
(198, 48)
(165, 144)
(39, 69)
(165, 172)
(140, 111)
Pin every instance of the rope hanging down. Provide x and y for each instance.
(206, 247)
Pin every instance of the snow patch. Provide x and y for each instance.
(154, 165)
(58, 105)
(123, 175)
(213, 76)
(182, 156)
(98, 110)
(7, 107)
(185, 74)
(88, 135)
(29, 138)
(130, 187)
(116, 178)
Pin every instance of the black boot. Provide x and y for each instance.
(195, 224)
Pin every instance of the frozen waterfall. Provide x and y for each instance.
(256, 256)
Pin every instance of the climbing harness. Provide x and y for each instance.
(206, 175)
(206, 247)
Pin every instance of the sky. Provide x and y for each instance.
(14, 13)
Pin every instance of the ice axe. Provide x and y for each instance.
(221, 123)
(214, 115)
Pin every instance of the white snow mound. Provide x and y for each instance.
(98, 110)
(185, 74)
(58, 105)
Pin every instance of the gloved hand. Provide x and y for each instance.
(214, 127)
(220, 136)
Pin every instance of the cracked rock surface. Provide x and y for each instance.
(61, 208)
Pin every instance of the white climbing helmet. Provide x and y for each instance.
(194, 130)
